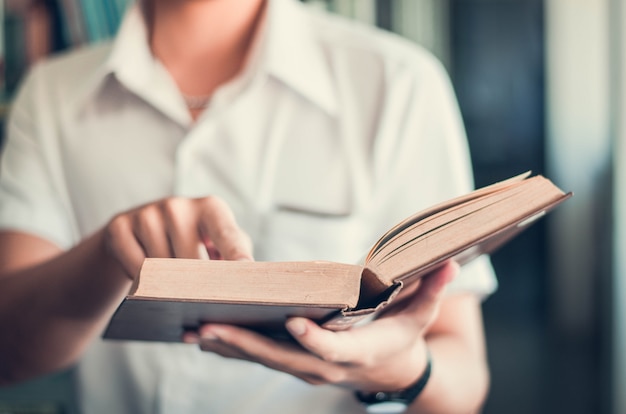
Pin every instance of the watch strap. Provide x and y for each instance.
(405, 396)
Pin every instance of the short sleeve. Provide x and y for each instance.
(429, 158)
(31, 175)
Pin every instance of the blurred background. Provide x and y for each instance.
(541, 84)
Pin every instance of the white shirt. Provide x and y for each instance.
(333, 132)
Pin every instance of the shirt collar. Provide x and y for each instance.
(132, 63)
(129, 60)
(287, 49)
(294, 54)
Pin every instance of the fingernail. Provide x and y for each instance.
(296, 327)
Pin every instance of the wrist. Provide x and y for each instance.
(396, 401)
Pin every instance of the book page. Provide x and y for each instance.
(453, 233)
(445, 205)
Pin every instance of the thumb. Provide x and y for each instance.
(423, 301)
(433, 284)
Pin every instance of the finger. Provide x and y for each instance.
(210, 248)
(359, 346)
(122, 243)
(210, 343)
(227, 351)
(217, 222)
(422, 306)
(282, 356)
(362, 345)
(180, 218)
(334, 347)
(433, 285)
(149, 229)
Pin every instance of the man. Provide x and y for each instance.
(237, 126)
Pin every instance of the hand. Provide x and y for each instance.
(386, 354)
(176, 227)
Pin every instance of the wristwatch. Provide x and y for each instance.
(395, 402)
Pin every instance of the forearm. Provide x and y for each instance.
(459, 380)
(49, 312)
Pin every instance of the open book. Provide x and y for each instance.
(171, 295)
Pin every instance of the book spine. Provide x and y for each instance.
(94, 18)
(73, 23)
(27, 30)
(121, 6)
(2, 58)
(15, 50)
(111, 16)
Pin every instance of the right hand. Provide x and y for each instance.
(190, 228)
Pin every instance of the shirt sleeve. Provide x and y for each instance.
(428, 158)
(31, 186)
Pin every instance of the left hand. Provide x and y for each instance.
(387, 354)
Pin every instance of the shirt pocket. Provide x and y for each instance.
(290, 234)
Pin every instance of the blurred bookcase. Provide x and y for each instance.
(33, 29)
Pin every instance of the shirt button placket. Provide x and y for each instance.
(189, 157)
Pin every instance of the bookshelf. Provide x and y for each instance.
(33, 29)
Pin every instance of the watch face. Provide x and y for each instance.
(387, 407)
